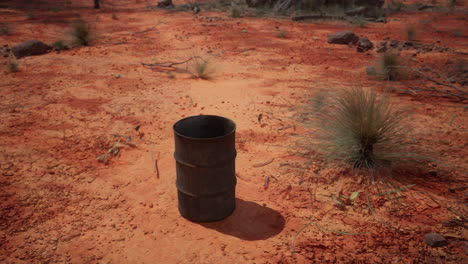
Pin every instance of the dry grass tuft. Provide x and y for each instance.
(357, 127)
(81, 33)
(389, 67)
(201, 67)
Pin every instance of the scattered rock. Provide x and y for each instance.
(371, 3)
(394, 43)
(358, 11)
(381, 20)
(382, 47)
(453, 223)
(459, 188)
(364, 44)
(165, 4)
(254, 3)
(435, 240)
(370, 70)
(30, 48)
(407, 43)
(70, 236)
(344, 37)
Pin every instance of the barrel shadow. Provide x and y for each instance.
(250, 221)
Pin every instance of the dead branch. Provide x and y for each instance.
(240, 51)
(263, 164)
(445, 89)
(168, 64)
(155, 163)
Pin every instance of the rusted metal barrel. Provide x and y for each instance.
(205, 156)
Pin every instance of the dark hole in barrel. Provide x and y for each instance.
(205, 126)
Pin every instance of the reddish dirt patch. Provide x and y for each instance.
(64, 109)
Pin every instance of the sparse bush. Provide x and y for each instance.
(59, 45)
(10, 62)
(312, 4)
(357, 127)
(358, 20)
(395, 5)
(4, 29)
(457, 32)
(200, 67)
(236, 12)
(31, 16)
(282, 33)
(410, 32)
(451, 3)
(81, 33)
(13, 66)
(389, 67)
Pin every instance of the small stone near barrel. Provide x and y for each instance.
(435, 240)
(30, 48)
(344, 37)
(364, 44)
(165, 3)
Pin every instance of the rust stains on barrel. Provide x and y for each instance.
(205, 164)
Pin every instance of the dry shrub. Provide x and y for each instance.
(390, 67)
(357, 127)
(201, 67)
(81, 33)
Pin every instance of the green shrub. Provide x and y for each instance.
(359, 128)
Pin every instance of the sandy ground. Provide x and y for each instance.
(64, 109)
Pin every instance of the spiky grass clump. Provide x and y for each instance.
(389, 67)
(359, 128)
(81, 33)
(201, 67)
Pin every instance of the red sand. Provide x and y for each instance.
(61, 110)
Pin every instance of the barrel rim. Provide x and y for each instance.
(234, 126)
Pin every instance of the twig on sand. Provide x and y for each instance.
(321, 228)
(369, 205)
(168, 64)
(155, 163)
(267, 182)
(263, 164)
(240, 51)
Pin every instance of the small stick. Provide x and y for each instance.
(155, 164)
(156, 168)
(267, 182)
(263, 164)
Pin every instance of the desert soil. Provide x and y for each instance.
(62, 110)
